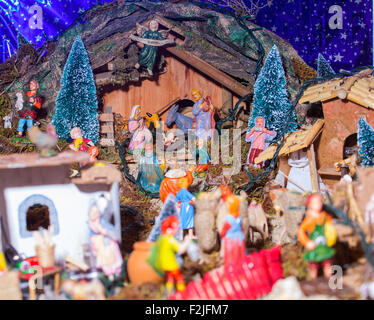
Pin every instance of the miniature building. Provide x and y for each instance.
(37, 192)
(294, 141)
(343, 102)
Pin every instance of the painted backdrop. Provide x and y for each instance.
(339, 29)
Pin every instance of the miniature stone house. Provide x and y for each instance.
(342, 101)
(37, 192)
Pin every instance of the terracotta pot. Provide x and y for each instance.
(138, 268)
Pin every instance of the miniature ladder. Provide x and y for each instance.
(107, 128)
(253, 278)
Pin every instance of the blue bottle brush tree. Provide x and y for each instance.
(76, 104)
(271, 97)
(365, 137)
(323, 67)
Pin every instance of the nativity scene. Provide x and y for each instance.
(176, 150)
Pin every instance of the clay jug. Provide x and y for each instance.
(138, 269)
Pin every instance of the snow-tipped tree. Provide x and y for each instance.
(365, 139)
(76, 104)
(271, 97)
(21, 40)
(323, 67)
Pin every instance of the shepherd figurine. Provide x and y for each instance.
(317, 234)
(203, 112)
(259, 137)
(29, 112)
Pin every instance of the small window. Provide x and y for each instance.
(315, 111)
(350, 146)
(34, 212)
(37, 216)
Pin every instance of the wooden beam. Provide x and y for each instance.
(313, 169)
(212, 72)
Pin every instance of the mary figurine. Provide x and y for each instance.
(140, 135)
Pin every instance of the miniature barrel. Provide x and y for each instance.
(46, 256)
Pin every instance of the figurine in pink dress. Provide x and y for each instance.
(104, 244)
(259, 137)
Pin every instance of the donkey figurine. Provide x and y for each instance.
(183, 122)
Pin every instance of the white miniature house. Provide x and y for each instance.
(37, 192)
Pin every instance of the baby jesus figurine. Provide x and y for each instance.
(259, 138)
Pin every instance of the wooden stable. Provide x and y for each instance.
(184, 72)
(294, 141)
(178, 81)
(343, 101)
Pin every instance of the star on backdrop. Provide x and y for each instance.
(310, 34)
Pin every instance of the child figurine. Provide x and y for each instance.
(104, 244)
(185, 201)
(165, 251)
(203, 159)
(259, 138)
(232, 234)
(29, 113)
(317, 234)
(82, 144)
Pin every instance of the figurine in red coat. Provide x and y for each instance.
(30, 111)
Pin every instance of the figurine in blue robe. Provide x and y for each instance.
(185, 201)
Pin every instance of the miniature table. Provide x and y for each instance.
(46, 273)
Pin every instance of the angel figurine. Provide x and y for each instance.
(151, 38)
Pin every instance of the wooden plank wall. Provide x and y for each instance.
(178, 81)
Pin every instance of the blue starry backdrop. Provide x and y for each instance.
(339, 29)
